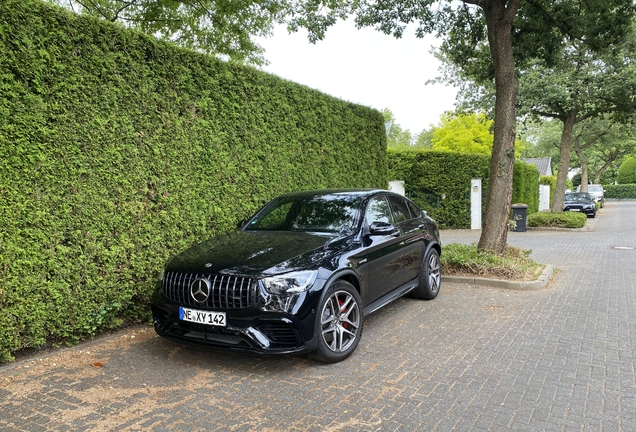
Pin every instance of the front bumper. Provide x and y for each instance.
(259, 334)
(578, 208)
(276, 325)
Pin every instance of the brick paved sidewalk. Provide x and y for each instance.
(475, 359)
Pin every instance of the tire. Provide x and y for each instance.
(430, 277)
(339, 320)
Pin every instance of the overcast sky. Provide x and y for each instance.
(366, 67)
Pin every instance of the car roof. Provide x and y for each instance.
(360, 192)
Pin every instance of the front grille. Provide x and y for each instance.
(227, 292)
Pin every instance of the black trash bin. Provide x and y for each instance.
(519, 216)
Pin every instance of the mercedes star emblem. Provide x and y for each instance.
(200, 290)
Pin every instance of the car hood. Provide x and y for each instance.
(581, 202)
(256, 253)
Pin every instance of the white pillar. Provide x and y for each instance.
(544, 197)
(475, 204)
(397, 186)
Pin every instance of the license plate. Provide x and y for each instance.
(202, 317)
(575, 209)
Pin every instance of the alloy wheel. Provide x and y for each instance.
(434, 272)
(340, 321)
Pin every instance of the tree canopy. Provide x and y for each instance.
(600, 145)
(571, 69)
(222, 27)
(465, 133)
(395, 135)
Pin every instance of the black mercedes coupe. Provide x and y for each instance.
(301, 274)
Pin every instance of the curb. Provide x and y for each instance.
(583, 229)
(589, 226)
(540, 282)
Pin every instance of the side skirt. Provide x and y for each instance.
(393, 295)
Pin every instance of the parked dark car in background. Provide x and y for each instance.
(580, 202)
(301, 274)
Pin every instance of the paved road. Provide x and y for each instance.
(475, 359)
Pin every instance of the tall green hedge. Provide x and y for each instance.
(440, 182)
(620, 191)
(525, 186)
(117, 150)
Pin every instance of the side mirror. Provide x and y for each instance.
(381, 228)
(423, 214)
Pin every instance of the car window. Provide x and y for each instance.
(578, 196)
(378, 211)
(275, 220)
(400, 209)
(415, 210)
(328, 213)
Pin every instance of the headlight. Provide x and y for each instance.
(290, 283)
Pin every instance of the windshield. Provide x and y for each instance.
(581, 196)
(316, 213)
(591, 188)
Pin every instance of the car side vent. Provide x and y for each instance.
(281, 334)
(210, 291)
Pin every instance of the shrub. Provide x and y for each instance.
(627, 172)
(563, 219)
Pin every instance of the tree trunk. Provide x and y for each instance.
(584, 177)
(499, 19)
(584, 168)
(564, 163)
(611, 158)
(599, 173)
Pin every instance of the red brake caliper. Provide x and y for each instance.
(340, 303)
